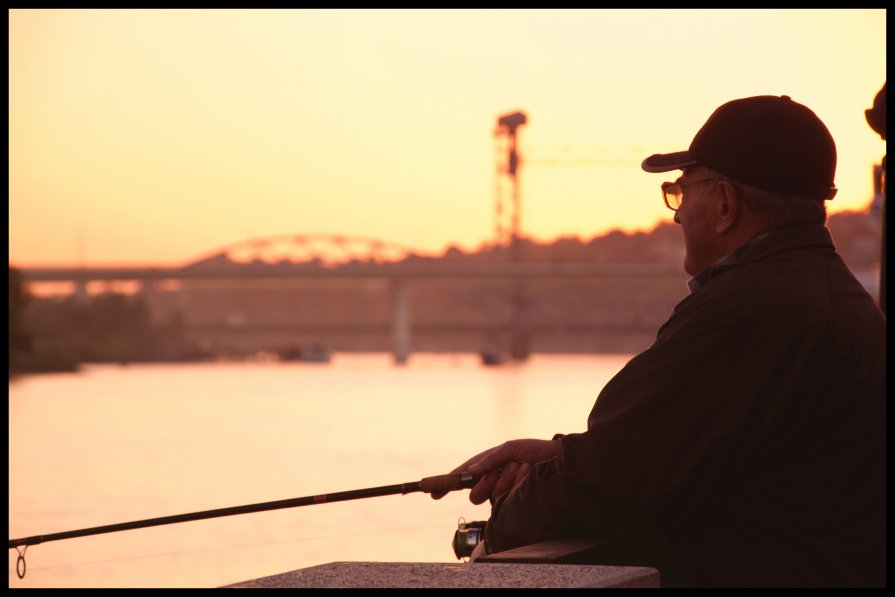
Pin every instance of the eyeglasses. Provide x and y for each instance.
(673, 192)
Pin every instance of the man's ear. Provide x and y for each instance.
(727, 207)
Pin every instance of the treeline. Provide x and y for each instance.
(60, 333)
(856, 235)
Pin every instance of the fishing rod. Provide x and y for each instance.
(436, 484)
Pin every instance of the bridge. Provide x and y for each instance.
(318, 257)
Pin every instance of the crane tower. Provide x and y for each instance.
(507, 213)
(507, 217)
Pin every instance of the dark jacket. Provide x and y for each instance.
(746, 446)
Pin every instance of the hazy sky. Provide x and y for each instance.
(157, 136)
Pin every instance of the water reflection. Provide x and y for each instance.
(115, 444)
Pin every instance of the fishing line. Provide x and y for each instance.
(439, 484)
(245, 545)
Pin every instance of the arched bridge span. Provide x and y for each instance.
(321, 249)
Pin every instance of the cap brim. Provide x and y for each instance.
(663, 162)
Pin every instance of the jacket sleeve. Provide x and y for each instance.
(545, 505)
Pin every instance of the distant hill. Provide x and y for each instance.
(857, 236)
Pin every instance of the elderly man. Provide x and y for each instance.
(746, 446)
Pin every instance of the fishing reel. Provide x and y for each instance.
(467, 536)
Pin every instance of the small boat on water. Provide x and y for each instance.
(491, 356)
(313, 353)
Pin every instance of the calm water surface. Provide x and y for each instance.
(121, 443)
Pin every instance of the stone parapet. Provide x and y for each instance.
(425, 575)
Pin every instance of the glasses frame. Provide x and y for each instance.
(668, 185)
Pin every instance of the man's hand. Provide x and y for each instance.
(501, 468)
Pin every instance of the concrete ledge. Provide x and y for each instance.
(459, 575)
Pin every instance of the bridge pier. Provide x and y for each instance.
(80, 294)
(401, 323)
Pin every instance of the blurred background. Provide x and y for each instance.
(245, 139)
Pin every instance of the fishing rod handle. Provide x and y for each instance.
(447, 483)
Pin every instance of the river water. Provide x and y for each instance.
(115, 444)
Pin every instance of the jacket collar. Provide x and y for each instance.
(763, 246)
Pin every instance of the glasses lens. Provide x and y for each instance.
(673, 195)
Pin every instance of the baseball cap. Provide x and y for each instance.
(766, 141)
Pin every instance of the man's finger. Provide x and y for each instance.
(520, 474)
(487, 461)
(506, 480)
(483, 489)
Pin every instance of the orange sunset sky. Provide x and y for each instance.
(157, 136)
